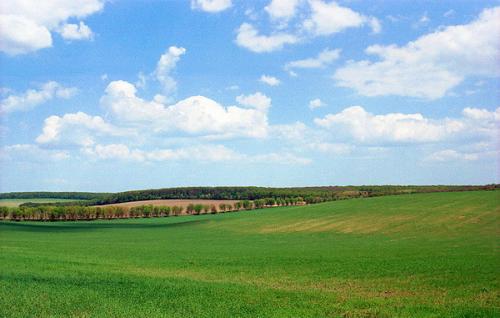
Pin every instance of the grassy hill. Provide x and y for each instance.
(418, 255)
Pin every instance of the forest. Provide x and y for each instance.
(308, 194)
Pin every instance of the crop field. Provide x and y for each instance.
(417, 255)
(171, 203)
(18, 202)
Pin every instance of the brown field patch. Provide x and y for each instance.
(171, 203)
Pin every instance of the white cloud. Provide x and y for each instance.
(393, 78)
(30, 153)
(257, 100)
(424, 19)
(296, 132)
(323, 59)
(199, 153)
(211, 6)
(113, 151)
(34, 97)
(193, 115)
(26, 25)
(20, 35)
(249, 38)
(481, 114)
(165, 66)
(285, 158)
(320, 19)
(269, 80)
(303, 139)
(316, 103)
(430, 66)
(355, 122)
(482, 122)
(449, 13)
(71, 31)
(330, 18)
(251, 14)
(451, 155)
(332, 148)
(374, 24)
(76, 129)
(394, 127)
(282, 9)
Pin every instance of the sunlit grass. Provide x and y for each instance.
(423, 255)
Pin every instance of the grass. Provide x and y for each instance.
(422, 255)
(18, 202)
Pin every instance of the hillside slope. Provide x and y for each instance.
(421, 255)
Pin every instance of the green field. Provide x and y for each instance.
(18, 202)
(421, 255)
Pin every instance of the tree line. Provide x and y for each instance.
(80, 212)
(54, 195)
(309, 194)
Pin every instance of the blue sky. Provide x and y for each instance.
(116, 95)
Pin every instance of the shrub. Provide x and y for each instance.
(206, 208)
(198, 208)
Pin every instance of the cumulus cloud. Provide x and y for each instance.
(329, 18)
(257, 100)
(28, 36)
(26, 25)
(320, 19)
(34, 97)
(249, 38)
(324, 58)
(356, 123)
(194, 115)
(316, 103)
(211, 6)
(430, 66)
(165, 66)
(282, 9)
(269, 80)
(76, 129)
(71, 31)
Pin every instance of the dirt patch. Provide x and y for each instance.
(171, 203)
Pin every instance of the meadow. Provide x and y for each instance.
(415, 255)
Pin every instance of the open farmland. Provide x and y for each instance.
(419, 255)
(18, 202)
(172, 203)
